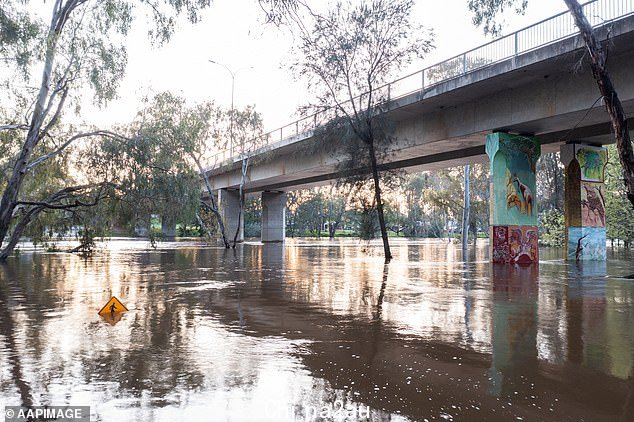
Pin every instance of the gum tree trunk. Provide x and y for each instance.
(465, 210)
(610, 98)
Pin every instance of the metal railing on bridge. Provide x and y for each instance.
(540, 34)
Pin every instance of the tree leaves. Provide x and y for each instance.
(486, 12)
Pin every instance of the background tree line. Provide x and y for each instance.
(430, 205)
(60, 177)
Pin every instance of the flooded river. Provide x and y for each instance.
(318, 330)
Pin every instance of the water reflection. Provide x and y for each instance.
(268, 332)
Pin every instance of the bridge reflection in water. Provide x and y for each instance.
(267, 331)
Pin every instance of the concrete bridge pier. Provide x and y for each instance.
(273, 216)
(584, 211)
(229, 207)
(168, 226)
(513, 216)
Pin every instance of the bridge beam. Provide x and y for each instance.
(584, 212)
(229, 208)
(513, 216)
(273, 216)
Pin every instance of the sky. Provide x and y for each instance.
(233, 32)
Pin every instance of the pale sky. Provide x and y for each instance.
(233, 32)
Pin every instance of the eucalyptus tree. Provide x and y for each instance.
(619, 216)
(347, 54)
(247, 130)
(485, 13)
(337, 199)
(151, 168)
(79, 50)
(179, 139)
(175, 144)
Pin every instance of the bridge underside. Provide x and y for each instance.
(548, 92)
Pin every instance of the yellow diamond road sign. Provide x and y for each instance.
(114, 306)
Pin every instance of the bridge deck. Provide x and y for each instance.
(548, 92)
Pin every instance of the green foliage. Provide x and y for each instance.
(153, 168)
(368, 223)
(189, 230)
(310, 215)
(485, 12)
(18, 31)
(89, 40)
(253, 217)
(318, 212)
(619, 214)
(435, 201)
(550, 182)
(353, 50)
(78, 50)
(551, 228)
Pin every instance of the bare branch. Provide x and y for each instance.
(61, 148)
(14, 127)
(55, 201)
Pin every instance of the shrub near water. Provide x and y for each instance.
(551, 228)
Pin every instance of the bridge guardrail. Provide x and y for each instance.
(540, 34)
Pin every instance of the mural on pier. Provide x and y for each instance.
(513, 203)
(519, 195)
(514, 244)
(586, 243)
(513, 185)
(585, 203)
(592, 161)
(592, 205)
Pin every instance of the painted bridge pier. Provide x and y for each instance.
(513, 215)
(513, 206)
(584, 211)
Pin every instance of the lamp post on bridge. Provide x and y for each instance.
(233, 83)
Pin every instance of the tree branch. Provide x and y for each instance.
(15, 127)
(55, 200)
(60, 149)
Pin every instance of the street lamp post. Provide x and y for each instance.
(233, 83)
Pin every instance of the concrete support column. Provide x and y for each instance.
(141, 225)
(273, 216)
(229, 207)
(513, 216)
(585, 206)
(168, 226)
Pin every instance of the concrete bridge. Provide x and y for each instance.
(531, 90)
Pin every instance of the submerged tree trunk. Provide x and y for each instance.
(243, 179)
(465, 210)
(610, 98)
(213, 206)
(17, 232)
(331, 225)
(379, 203)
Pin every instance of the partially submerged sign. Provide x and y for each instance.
(114, 306)
(112, 319)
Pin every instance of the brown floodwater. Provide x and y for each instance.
(318, 330)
